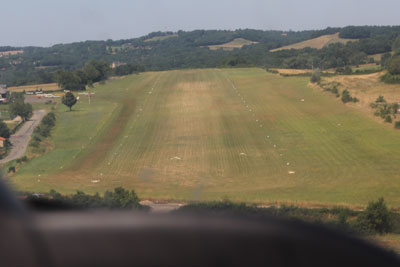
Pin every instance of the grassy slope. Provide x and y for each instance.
(195, 137)
(160, 38)
(236, 43)
(317, 43)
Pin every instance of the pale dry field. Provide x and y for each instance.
(35, 87)
(317, 43)
(236, 43)
(367, 88)
(292, 71)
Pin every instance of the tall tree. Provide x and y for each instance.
(69, 100)
(394, 66)
(71, 80)
(396, 46)
(24, 110)
(4, 131)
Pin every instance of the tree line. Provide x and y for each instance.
(188, 50)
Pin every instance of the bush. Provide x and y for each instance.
(11, 169)
(22, 159)
(376, 218)
(120, 198)
(346, 97)
(397, 125)
(380, 99)
(316, 77)
(389, 78)
(34, 144)
(49, 119)
(388, 119)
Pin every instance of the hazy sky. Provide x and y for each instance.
(47, 22)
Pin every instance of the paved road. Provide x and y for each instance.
(20, 139)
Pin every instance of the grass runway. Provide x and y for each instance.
(211, 134)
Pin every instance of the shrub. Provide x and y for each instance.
(376, 218)
(316, 77)
(22, 159)
(49, 119)
(388, 119)
(346, 97)
(11, 169)
(380, 99)
(390, 78)
(397, 125)
(120, 198)
(34, 144)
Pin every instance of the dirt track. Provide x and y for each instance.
(20, 139)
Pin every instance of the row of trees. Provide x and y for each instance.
(43, 130)
(376, 218)
(119, 198)
(187, 50)
(392, 64)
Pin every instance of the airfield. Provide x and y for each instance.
(213, 134)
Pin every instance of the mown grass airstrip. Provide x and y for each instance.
(241, 134)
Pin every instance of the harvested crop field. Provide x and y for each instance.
(317, 43)
(236, 43)
(242, 134)
(35, 87)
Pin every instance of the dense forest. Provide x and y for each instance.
(168, 50)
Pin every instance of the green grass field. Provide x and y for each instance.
(242, 134)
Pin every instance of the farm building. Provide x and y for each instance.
(4, 93)
(2, 141)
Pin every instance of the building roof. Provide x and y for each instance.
(2, 139)
(3, 90)
(3, 86)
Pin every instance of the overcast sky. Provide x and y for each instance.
(48, 22)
